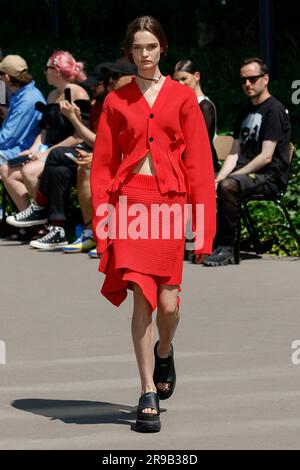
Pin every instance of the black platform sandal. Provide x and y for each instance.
(148, 422)
(164, 371)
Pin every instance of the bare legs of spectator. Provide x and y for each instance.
(31, 173)
(13, 181)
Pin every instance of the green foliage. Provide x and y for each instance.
(270, 221)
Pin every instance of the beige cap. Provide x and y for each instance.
(13, 65)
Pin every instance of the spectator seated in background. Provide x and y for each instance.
(98, 82)
(186, 73)
(21, 124)
(59, 175)
(52, 199)
(259, 159)
(61, 72)
(117, 74)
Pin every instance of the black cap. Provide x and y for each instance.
(98, 75)
(121, 66)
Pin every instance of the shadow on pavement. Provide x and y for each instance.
(78, 411)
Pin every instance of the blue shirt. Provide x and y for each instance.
(21, 125)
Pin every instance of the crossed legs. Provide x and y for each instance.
(13, 181)
(22, 181)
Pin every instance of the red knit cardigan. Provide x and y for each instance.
(173, 130)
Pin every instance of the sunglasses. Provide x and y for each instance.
(49, 67)
(252, 79)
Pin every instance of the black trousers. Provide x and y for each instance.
(231, 191)
(58, 177)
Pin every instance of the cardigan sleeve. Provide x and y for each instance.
(106, 160)
(198, 162)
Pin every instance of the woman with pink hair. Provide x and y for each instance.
(62, 72)
(64, 62)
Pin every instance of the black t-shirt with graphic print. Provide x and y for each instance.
(266, 121)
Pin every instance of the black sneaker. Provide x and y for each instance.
(221, 256)
(55, 238)
(33, 215)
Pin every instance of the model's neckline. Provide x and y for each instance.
(167, 78)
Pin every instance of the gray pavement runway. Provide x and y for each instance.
(70, 379)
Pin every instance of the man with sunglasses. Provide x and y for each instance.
(258, 162)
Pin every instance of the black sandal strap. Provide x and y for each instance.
(149, 400)
(164, 372)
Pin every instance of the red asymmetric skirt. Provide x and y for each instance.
(148, 244)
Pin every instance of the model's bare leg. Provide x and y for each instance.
(84, 195)
(13, 182)
(167, 320)
(31, 173)
(142, 335)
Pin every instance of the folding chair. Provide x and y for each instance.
(223, 144)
